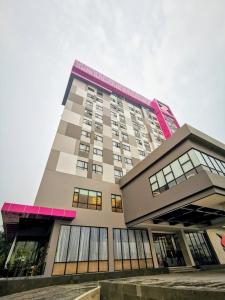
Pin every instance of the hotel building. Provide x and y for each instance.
(124, 187)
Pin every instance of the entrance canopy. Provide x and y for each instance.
(12, 212)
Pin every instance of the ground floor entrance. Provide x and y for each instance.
(168, 250)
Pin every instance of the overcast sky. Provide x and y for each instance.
(170, 50)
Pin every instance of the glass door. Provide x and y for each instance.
(168, 250)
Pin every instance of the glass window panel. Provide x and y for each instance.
(140, 247)
(214, 163)
(73, 244)
(146, 244)
(160, 178)
(208, 161)
(94, 244)
(200, 157)
(152, 179)
(195, 158)
(125, 245)
(83, 196)
(117, 244)
(62, 244)
(183, 158)
(176, 168)
(166, 170)
(84, 244)
(103, 244)
(187, 166)
(155, 186)
(133, 246)
(92, 199)
(169, 177)
(220, 165)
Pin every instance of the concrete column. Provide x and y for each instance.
(185, 248)
(53, 240)
(110, 243)
(154, 256)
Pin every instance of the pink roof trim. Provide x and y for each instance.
(38, 210)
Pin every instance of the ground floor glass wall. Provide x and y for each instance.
(201, 248)
(81, 249)
(168, 250)
(131, 249)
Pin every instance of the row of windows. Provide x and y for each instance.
(184, 167)
(83, 249)
(93, 200)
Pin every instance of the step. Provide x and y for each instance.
(182, 269)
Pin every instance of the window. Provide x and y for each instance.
(113, 106)
(116, 201)
(97, 169)
(97, 151)
(127, 161)
(137, 133)
(186, 166)
(99, 107)
(118, 173)
(98, 126)
(91, 89)
(142, 153)
(87, 199)
(116, 144)
(115, 132)
(99, 100)
(99, 93)
(114, 123)
(90, 103)
(97, 116)
(82, 165)
(88, 113)
(84, 148)
(124, 137)
(126, 147)
(117, 157)
(85, 133)
(131, 249)
(122, 119)
(120, 109)
(81, 249)
(113, 115)
(98, 138)
(87, 122)
(139, 142)
(123, 126)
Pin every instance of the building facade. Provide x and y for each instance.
(110, 198)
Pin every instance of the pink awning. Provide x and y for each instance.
(56, 213)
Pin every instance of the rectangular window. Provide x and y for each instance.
(113, 115)
(116, 144)
(81, 249)
(142, 153)
(114, 123)
(126, 147)
(82, 165)
(99, 100)
(117, 157)
(88, 113)
(85, 133)
(97, 169)
(118, 173)
(116, 201)
(99, 93)
(123, 126)
(139, 142)
(128, 161)
(91, 89)
(124, 137)
(87, 199)
(98, 138)
(115, 132)
(97, 116)
(84, 148)
(99, 107)
(89, 103)
(131, 249)
(98, 126)
(97, 151)
(87, 122)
